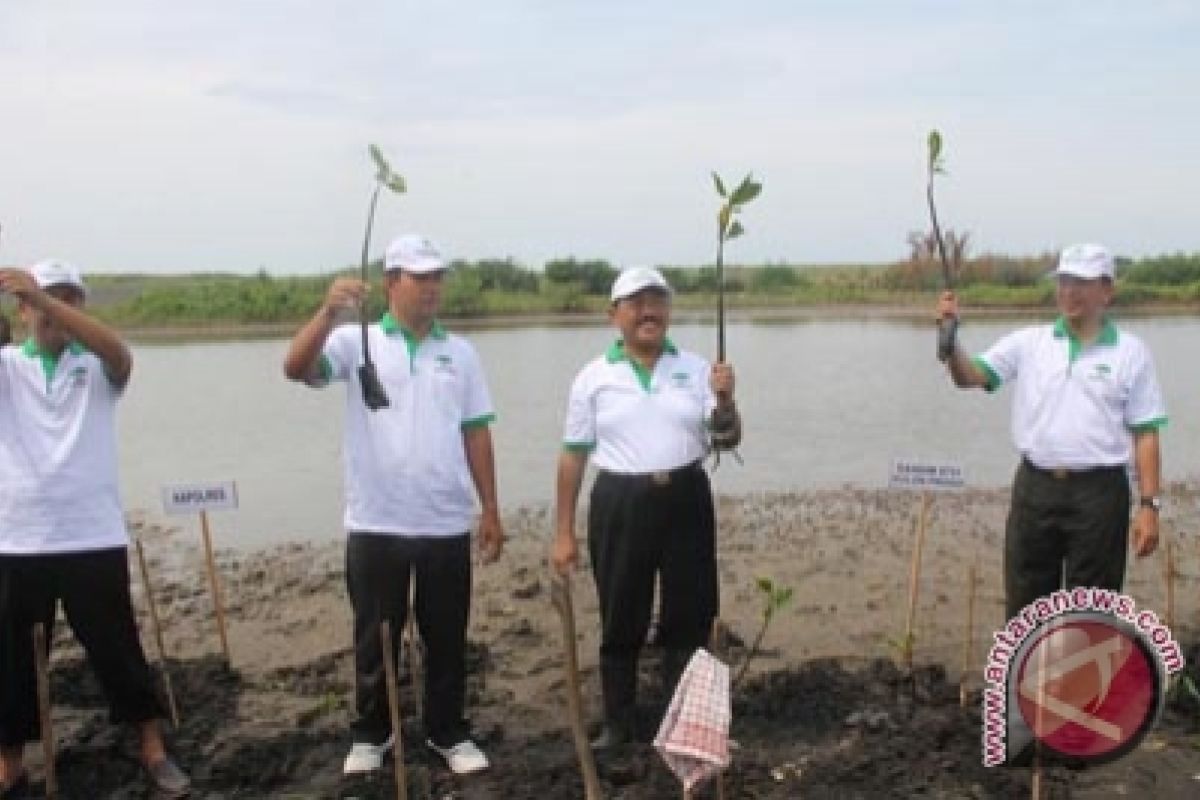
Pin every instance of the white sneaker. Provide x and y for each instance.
(365, 757)
(463, 758)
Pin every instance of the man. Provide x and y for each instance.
(641, 412)
(62, 530)
(1087, 403)
(408, 473)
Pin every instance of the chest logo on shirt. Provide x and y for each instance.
(681, 380)
(78, 377)
(443, 364)
(1101, 372)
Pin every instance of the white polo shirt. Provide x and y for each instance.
(406, 468)
(1076, 407)
(58, 453)
(633, 421)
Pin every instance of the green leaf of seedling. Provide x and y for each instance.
(935, 147)
(746, 191)
(735, 230)
(765, 585)
(396, 183)
(719, 184)
(783, 597)
(384, 173)
(723, 220)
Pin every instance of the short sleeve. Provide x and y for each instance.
(476, 400)
(579, 430)
(1145, 409)
(1001, 362)
(340, 355)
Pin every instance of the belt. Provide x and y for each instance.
(1063, 474)
(658, 478)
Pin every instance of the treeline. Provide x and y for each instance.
(504, 286)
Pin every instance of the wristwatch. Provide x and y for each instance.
(1154, 502)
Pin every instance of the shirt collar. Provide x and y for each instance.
(1108, 331)
(616, 351)
(30, 348)
(391, 326)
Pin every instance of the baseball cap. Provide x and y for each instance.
(1087, 261)
(53, 272)
(413, 253)
(635, 279)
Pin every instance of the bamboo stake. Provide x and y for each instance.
(715, 640)
(43, 696)
(914, 578)
(968, 639)
(158, 635)
(1170, 584)
(393, 695)
(560, 596)
(215, 585)
(414, 663)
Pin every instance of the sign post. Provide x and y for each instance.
(202, 498)
(926, 477)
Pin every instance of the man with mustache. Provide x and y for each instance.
(62, 530)
(641, 412)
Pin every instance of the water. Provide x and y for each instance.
(825, 402)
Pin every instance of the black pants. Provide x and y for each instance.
(94, 590)
(1065, 530)
(639, 528)
(378, 570)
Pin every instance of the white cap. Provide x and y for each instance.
(1087, 261)
(635, 279)
(413, 253)
(53, 272)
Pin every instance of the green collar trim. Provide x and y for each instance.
(616, 353)
(1108, 336)
(49, 360)
(391, 326)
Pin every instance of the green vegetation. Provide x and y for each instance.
(505, 287)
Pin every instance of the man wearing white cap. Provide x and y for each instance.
(1087, 406)
(409, 470)
(62, 530)
(641, 411)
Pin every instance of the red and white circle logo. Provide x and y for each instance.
(1088, 687)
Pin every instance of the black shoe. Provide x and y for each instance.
(17, 790)
(612, 736)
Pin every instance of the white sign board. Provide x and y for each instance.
(193, 498)
(909, 473)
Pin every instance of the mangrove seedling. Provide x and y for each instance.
(947, 328)
(373, 393)
(723, 424)
(774, 598)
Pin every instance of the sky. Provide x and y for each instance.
(141, 136)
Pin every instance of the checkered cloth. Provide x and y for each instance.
(694, 736)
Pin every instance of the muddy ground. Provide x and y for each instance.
(825, 713)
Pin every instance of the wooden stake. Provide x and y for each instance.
(1170, 584)
(393, 695)
(215, 585)
(43, 696)
(158, 635)
(914, 579)
(969, 637)
(560, 596)
(414, 662)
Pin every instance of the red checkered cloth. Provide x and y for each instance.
(694, 736)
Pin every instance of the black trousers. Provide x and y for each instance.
(1065, 530)
(640, 528)
(378, 570)
(93, 587)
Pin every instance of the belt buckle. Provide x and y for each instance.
(1060, 473)
(661, 478)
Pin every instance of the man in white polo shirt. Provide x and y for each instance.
(1087, 406)
(409, 470)
(642, 411)
(62, 530)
